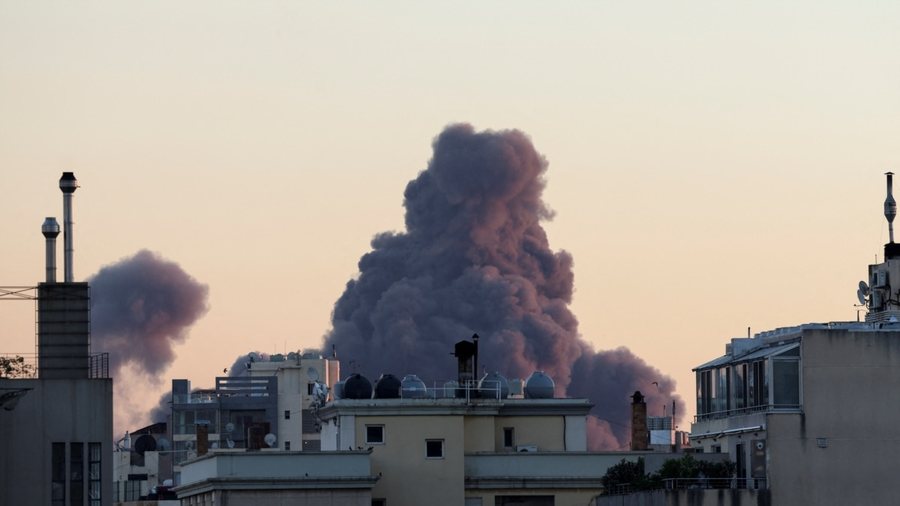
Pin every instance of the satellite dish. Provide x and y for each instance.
(229, 443)
(214, 445)
(312, 374)
(863, 288)
(861, 297)
(229, 427)
(163, 444)
(270, 440)
(188, 445)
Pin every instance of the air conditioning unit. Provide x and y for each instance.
(526, 448)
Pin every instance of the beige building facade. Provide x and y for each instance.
(469, 451)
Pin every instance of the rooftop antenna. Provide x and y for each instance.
(68, 184)
(890, 205)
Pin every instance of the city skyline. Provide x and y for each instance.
(710, 169)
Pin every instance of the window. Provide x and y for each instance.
(434, 448)
(58, 475)
(379, 502)
(94, 474)
(287, 446)
(76, 473)
(509, 439)
(375, 434)
(309, 388)
(287, 414)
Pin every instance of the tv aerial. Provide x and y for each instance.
(270, 440)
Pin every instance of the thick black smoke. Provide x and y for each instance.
(474, 258)
(141, 307)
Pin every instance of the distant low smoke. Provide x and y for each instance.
(474, 257)
(142, 306)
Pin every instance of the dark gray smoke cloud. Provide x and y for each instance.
(474, 258)
(141, 307)
(162, 410)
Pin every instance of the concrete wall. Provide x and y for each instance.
(545, 432)
(275, 464)
(408, 478)
(850, 382)
(480, 434)
(282, 498)
(64, 410)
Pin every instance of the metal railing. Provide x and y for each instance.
(714, 483)
(715, 415)
(691, 484)
(99, 366)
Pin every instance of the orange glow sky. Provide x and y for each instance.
(712, 167)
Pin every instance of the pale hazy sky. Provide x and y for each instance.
(713, 165)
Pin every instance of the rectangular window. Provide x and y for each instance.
(375, 434)
(58, 475)
(287, 446)
(434, 448)
(94, 460)
(509, 439)
(287, 414)
(309, 388)
(379, 502)
(786, 383)
(76, 473)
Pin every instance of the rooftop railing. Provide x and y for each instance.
(715, 415)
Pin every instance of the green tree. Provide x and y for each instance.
(628, 475)
(15, 367)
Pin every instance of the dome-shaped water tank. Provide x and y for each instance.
(357, 387)
(449, 390)
(387, 387)
(337, 391)
(539, 386)
(493, 386)
(412, 387)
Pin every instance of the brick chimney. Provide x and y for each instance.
(640, 436)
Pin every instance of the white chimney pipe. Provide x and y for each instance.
(50, 229)
(68, 184)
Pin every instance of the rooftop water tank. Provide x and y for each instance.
(338, 390)
(493, 386)
(412, 387)
(539, 386)
(357, 387)
(449, 390)
(387, 387)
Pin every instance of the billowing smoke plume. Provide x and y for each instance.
(474, 258)
(141, 307)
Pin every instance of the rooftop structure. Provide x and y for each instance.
(58, 425)
(805, 410)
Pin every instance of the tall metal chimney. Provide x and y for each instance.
(68, 184)
(50, 229)
(890, 205)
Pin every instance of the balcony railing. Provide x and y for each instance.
(715, 415)
(693, 484)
